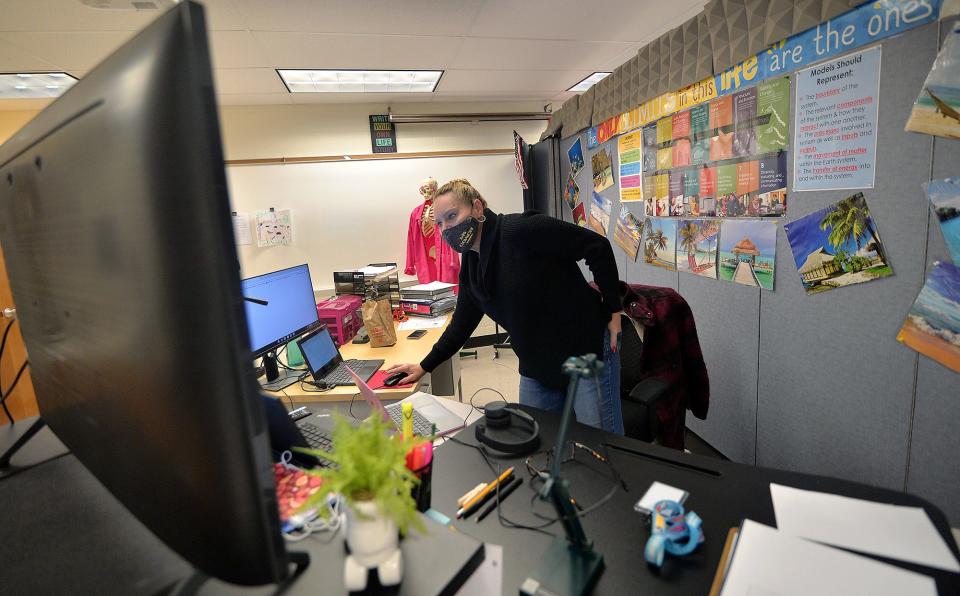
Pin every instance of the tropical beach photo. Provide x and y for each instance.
(932, 326)
(575, 155)
(944, 196)
(748, 252)
(600, 214)
(571, 192)
(660, 243)
(937, 109)
(837, 246)
(697, 246)
(602, 165)
(628, 233)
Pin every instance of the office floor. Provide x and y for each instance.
(487, 372)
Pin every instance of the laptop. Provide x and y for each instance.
(427, 411)
(325, 363)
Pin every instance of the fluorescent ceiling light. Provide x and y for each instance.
(360, 81)
(34, 85)
(589, 82)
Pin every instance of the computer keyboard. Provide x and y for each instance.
(421, 426)
(340, 374)
(317, 439)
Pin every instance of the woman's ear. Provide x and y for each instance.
(477, 210)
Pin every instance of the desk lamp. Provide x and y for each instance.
(570, 565)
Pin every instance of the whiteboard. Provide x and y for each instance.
(351, 213)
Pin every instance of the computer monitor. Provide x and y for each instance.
(280, 307)
(115, 225)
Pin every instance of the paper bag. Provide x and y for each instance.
(378, 319)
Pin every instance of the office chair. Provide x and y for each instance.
(638, 396)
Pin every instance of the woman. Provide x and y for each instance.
(521, 270)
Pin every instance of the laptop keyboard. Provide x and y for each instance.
(340, 375)
(317, 439)
(421, 426)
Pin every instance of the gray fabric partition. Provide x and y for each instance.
(818, 383)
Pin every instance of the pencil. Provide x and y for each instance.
(475, 502)
(504, 493)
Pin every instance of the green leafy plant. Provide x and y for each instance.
(371, 466)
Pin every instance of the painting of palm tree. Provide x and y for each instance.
(838, 246)
(698, 238)
(660, 240)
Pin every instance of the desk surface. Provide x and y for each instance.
(404, 351)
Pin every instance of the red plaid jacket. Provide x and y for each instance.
(671, 352)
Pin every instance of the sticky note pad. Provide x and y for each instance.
(659, 491)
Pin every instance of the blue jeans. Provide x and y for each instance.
(597, 403)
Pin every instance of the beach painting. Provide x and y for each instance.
(697, 241)
(575, 154)
(944, 197)
(837, 246)
(937, 109)
(600, 214)
(932, 326)
(748, 252)
(602, 164)
(660, 242)
(628, 233)
(579, 217)
(571, 192)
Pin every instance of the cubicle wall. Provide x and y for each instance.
(819, 383)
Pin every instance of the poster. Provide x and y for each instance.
(725, 158)
(600, 214)
(602, 164)
(274, 228)
(241, 229)
(571, 192)
(575, 155)
(660, 242)
(628, 233)
(697, 246)
(579, 217)
(932, 326)
(837, 246)
(628, 149)
(944, 197)
(937, 109)
(836, 123)
(748, 252)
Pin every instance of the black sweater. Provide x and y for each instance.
(526, 278)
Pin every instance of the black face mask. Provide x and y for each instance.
(462, 236)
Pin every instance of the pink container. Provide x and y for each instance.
(342, 317)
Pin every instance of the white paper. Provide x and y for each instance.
(769, 561)
(430, 287)
(414, 323)
(488, 578)
(371, 271)
(659, 491)
(274, 228)
(241, 229)
(892, 531)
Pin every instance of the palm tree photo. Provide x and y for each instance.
(850, 220)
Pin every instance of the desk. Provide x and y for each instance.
(443, 381)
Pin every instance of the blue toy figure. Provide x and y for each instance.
(672, 532)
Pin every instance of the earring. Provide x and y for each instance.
(482, 218)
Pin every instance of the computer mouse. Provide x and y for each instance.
(394, 379)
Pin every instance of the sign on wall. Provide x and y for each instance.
(383, 136)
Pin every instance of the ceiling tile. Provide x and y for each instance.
(521, 54)
(14, 58)
(305, 50)
(515, 82)
(253, 99)
(410, 17)
(599, 20)
(71, 15)
(71, 49)
(237, 49)
(247, 81)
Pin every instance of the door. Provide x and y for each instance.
(22, 402)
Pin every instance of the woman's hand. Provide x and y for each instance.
(614, 327)
(413, 372)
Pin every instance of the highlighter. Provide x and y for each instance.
(407, 420)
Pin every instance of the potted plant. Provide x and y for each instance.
(374, 483)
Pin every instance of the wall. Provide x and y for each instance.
(819, 384)
(11, 122)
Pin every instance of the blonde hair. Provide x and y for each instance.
(463, 190)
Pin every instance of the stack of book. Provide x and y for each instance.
(428, 300)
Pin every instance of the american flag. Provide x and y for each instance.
(518, 155)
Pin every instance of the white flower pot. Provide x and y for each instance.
(372, 539)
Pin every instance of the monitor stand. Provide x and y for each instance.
(277, 379)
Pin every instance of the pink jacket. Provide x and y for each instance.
(445, 268)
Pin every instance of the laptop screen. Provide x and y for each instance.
(320, 351)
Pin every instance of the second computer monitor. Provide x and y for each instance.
(289, 312)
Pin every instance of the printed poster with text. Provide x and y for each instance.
(628, 147)
(723, 158)
(836, 128)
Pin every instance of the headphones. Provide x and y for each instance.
(499, 416)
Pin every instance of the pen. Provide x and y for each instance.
(504, 493)
(478, 500)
